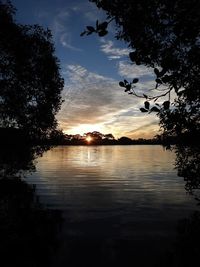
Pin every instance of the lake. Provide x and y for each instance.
(123, 203)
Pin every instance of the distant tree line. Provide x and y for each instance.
(97, 138)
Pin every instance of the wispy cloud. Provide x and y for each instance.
(66, 41)
(108, 47)
(128, 70)
(60, 25)
(97, 102)
(144, 129)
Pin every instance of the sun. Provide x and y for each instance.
(88, 139)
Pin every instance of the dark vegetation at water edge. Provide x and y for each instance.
(12, 136)
(163, 36)
(30, 81)
(29, 231)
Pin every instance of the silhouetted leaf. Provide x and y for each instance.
(146, 104)
(158, 81)
(155, 109)
(125, 81)
(128, 86)
(90, 28)
(132, 56)
(83, 33)
(145, 96)
(135, 80)
(143, 110)
(102, 33)
(156, 71)
(121, 84)
(166, 104)
(166, 79)
(103, 26)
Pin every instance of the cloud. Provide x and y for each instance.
(65, 40)
(146, 130)
(59, 25)
(128, 70)
(113, 52)
(97, 102)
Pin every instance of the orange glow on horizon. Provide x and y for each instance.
(88, 139)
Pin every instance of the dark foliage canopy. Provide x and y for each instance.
(164, 35)
(30, 83)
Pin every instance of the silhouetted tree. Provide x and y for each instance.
(30, 83)
(188, 167)
(125, 140)
(164, 35)
(109, 136)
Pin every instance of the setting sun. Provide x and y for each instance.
(88, 139)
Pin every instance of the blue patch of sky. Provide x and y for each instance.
(67, 19)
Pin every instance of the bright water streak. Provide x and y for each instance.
(127, 192)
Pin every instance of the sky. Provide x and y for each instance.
(92, 68)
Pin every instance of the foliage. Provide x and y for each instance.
(29, 231)
(29, 76)
(188, 167)
(165, 36)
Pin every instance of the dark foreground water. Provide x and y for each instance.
(120, 204)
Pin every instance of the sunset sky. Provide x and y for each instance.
(92, 68)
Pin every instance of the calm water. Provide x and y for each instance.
(115, 194)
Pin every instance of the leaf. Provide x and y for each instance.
(128, 87)
(135, 80)
(166, 105)
(155, 109)
(145, 96)
(132, 56)
(83, 33)
(121, 84)
(125, 81)
(146, 104)
(166, 79)
(143, 110)
(90, 28)
(158, 81)
(156, 71)
(102, 33)
(103, 26)
(88, 33)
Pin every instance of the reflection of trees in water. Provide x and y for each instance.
(187, 245)
(188, 167)
(186, 249)
(15, 160)
(29, 231)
